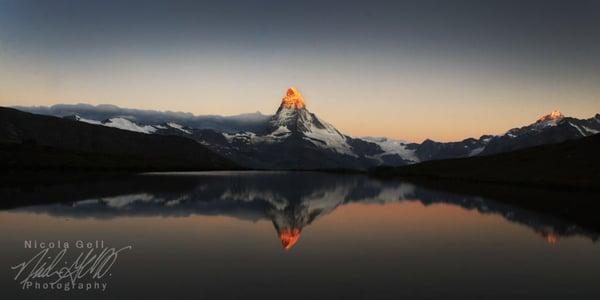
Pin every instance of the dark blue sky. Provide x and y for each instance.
(463, 58)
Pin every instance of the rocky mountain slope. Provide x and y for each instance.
(29, 141)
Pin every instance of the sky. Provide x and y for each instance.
(411, 70)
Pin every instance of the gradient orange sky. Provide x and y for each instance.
(404, 70)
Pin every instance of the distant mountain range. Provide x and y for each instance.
(243, 122)
(570, 164)
(36, 142)
(295, 138)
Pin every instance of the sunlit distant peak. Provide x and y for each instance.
(551, 238)
(293, 99)
(555, 115)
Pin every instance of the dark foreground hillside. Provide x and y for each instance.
(36, 142)
(574, 164)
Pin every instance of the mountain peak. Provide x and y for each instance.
(555, 115)
(293, 99)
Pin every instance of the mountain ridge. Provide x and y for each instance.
(296, 138)
(241, 122)
(568, 164)
(36, 142)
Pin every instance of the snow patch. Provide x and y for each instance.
(391, 147)
(578, 129)
(126, 200)
(122, 123)
(178, 127)
(476, 151)
(80, 119)
(282, 130)
(328, 137)
(590, 130)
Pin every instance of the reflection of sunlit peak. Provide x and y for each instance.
(293, 99)
(289, 237)
(555, 115)
(551, 238)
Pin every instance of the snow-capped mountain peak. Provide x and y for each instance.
(292, 112)
(293, 117)
(550, 120)
(549, 129)
(553, 116)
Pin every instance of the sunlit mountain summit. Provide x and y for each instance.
(553, 116)
(293, 99)
(293, 118)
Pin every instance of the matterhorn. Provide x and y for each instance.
(296, 138)
(293, 118)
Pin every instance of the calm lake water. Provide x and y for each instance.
(277, 235)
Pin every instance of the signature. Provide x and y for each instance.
(93, 264)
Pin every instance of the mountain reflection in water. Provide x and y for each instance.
(291, 201)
